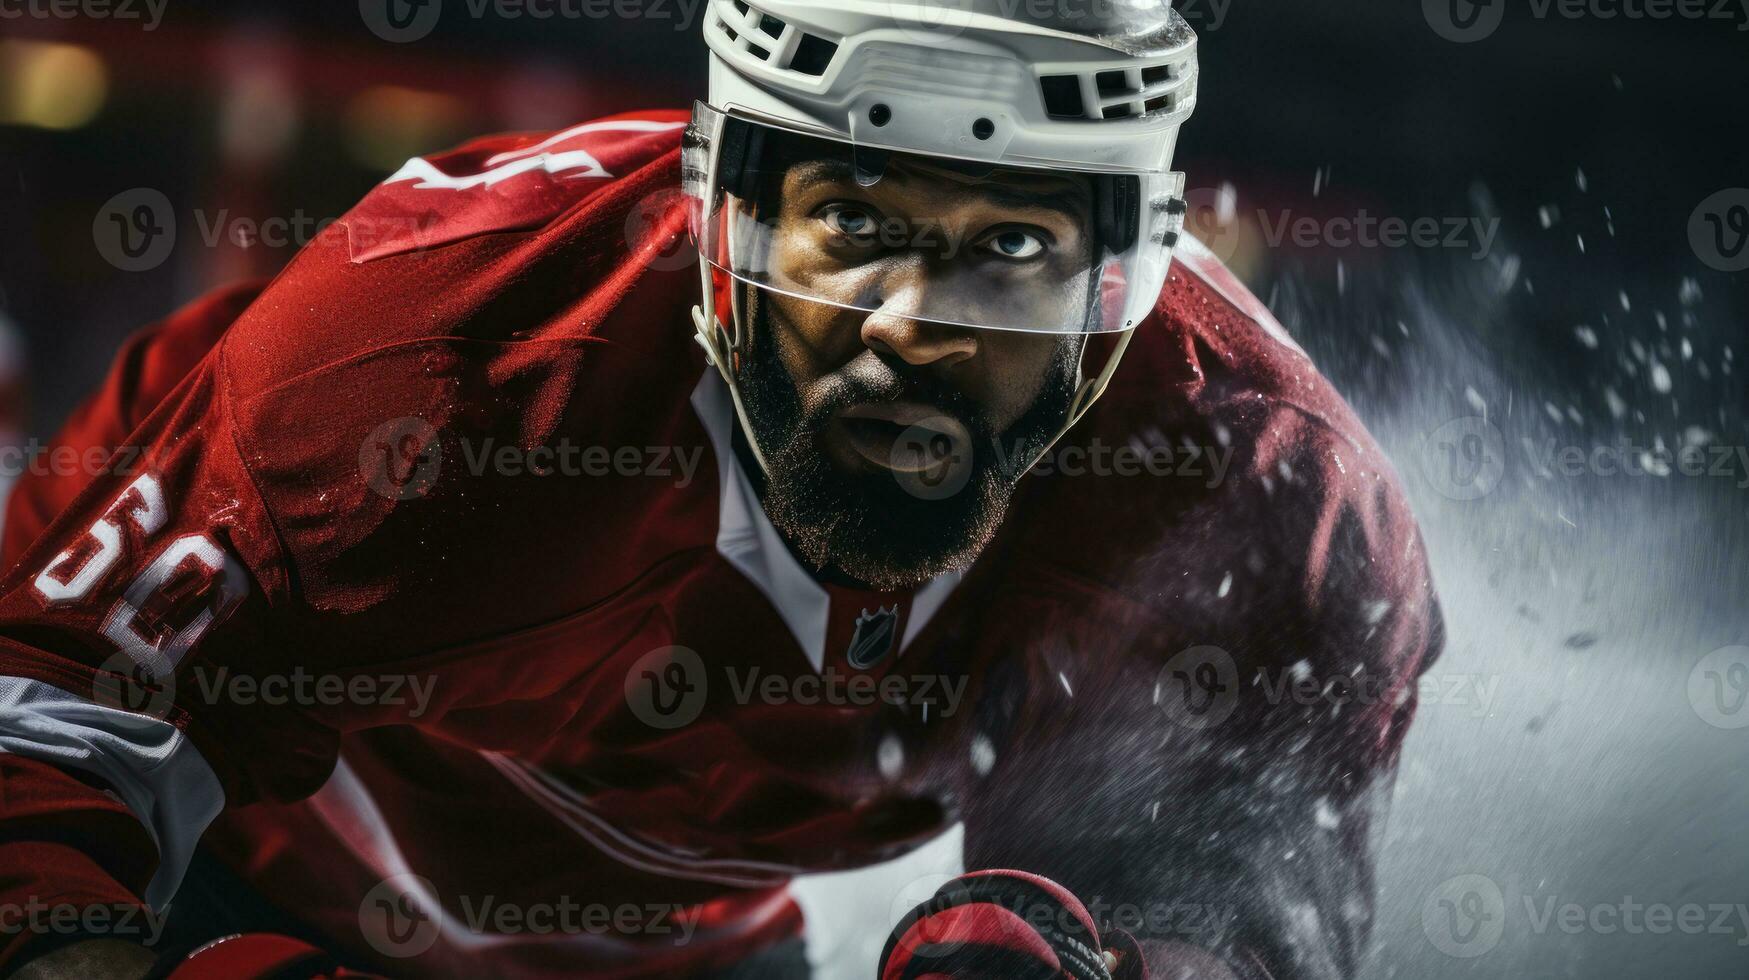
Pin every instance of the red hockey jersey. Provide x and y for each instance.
(443, 526)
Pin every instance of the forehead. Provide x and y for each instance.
(900, 175)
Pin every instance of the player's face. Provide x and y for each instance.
(893, 441)
(916, 239)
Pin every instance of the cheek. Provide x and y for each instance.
(1016, 366)
(800, 259)
(809, 338)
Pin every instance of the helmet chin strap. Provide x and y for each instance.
(724, 353)
(1085, 396)
(718, 353)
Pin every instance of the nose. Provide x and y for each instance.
(891, 329)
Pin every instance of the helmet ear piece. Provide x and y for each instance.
(1117, 203)
(741, 144)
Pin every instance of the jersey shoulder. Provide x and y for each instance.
(1254, 494)
(152, 362)
(511, 296)
(504, 183)
(1218, 372)
(503, 238)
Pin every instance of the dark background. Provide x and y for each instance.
(1586, 601)
(267, 110)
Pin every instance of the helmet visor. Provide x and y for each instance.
(931, 238)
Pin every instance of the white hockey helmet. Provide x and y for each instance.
(1094, 90)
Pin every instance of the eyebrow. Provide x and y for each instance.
(1073, 200)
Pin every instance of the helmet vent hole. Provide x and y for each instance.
(740, 8)
(1111, 82)
(813, 54)
(880, 114)
(1062, 96)
(983, 128)
(1154, 74)
(759, 52)
(770, 25)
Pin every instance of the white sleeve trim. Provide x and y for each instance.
(150, 765)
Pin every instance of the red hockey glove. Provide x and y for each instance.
(261, 956)
(1009, 925)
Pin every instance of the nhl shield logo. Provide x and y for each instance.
(874, 637)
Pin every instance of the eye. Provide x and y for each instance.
(856, 223)
(1014, 244)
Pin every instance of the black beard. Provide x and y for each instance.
(887, 530)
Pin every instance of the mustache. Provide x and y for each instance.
(872, 379)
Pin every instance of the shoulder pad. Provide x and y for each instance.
(503, 183)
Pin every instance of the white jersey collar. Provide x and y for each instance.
(746, 538)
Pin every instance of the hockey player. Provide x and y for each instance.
(492, 561)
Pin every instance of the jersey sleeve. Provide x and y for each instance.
(151, 363)
(1212, 782)
(121, 627)
(239, 534)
